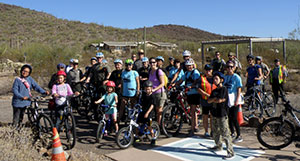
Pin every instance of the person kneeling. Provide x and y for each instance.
(220, 127)
(147, 103)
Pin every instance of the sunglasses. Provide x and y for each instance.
(128, 64)
(153, 62)
(230, 66)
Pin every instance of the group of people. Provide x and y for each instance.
(218, 89)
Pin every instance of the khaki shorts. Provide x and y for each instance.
(160, 99)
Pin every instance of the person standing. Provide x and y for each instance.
(219, 99)
(253, 74)
(116, 77)
(205, 86)
(70, 66)
(138, 63)
(233, 82)
(171, 65)
(21, 89)
(264, 68)
(218, 63)
(277, 79)
(238, 65)
(144, 71)
(73, 78)
(60, 67)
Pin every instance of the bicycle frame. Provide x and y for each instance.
(291, 110)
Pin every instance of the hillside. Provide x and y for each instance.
(20, 26)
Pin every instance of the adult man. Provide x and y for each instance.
(264, 68)
(205, 87)
(144, 71)
(116, 77)
(138, 63)
(277, 79)
(60, 67)
(238, 65)
(218, 63)
(88, 68)
(74, 76)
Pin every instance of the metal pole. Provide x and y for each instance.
(250, 47)
(202, 51)
(284, 52)
(237, 50)
(145, 40)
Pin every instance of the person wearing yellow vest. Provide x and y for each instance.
(277, 79)
(205, 86)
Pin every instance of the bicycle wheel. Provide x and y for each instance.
(156, 130)
(44, 127)
(275, 133)
(100, 132)
(172, 118)
(83, 107)
(269, 104)
(252, 108)
(70, 126)
(124, 138)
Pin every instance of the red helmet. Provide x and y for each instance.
(110, 84)
(61, 73)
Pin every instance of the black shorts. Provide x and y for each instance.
(143, 120)
(193, 99)
(206, 110)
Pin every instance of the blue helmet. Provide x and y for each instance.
(94, 58)
(160, 58)
(104, 61)
(71, 60)
(61, 65)
(145, 59)
(118, 61)
(99, 55)
(220, 74)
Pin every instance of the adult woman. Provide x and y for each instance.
(156, 76)
(21, 93)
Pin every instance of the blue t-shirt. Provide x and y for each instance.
(109, 99)
(129, 83)
(253, 73)
(233, 82)
(190, 80)
(173, 71)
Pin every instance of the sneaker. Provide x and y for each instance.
(228, 156)
(232, 135)
(196, 130)
(105, 133)
(153, 141)
(215, 148)
(238, 139)
(191, 133)
(206, 135)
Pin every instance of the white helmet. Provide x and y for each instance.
(186, 53)
(189, 62)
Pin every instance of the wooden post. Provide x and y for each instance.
(202, 51)
(250, 47)
(237, 50)
(284, 52)
(145, 40)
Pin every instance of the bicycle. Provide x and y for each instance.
(258, 102)
(65, 122)
(176, 112)
(279, 132)
(103, 124)
(125, 136)
(40, 121)
(84, 107)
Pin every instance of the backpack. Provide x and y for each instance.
(166, 80)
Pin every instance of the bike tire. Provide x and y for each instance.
(99, 134)
(275, 133)
(70, 125)
(172, 119)
(252, 108)
(44, 127)
(124, 138)
(269, 104)
(156, 130)
(31, 115)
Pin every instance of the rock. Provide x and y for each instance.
(43, 151)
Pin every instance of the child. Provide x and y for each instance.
(111, 99)
(60, 91)
(219, 99)
(147, 103)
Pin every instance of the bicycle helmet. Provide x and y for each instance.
(26, 66)
(148, 84)
(258, 58)
(220, 74)
(118, 61)
(250, 56)
(61, 65)
(71, 60)
(104, 61)
(75, 61)
(61, 73)
(189, 62)
(94, 58)
(145, 59)
(99, 55)
(186, 53)
(208, 67)
(160, 58)
(141, 51)
(171, 58)
(110, 84)
(129, 61)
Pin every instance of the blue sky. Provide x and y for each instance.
(261, 18)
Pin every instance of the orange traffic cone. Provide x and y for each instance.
(57, 150)
(240, 117)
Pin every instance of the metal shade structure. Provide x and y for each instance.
(250, 41)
